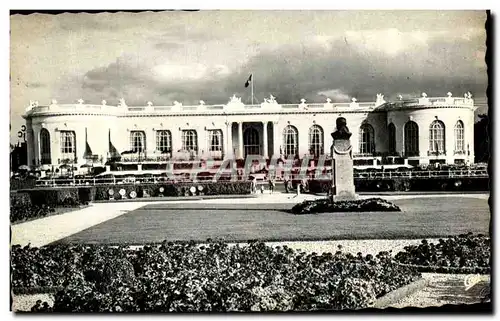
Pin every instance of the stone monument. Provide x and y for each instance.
(342, 165)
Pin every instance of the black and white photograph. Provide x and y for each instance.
(250, 161)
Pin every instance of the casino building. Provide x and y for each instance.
(422, 130)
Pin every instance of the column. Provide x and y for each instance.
(264, 124)
(228, 144)
(276, 140)
(240, 140)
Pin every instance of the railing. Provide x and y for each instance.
(187, 177)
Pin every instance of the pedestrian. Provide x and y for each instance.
(271, 184)
(285, 180)
(254, 185)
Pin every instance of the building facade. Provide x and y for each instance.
(422, 130)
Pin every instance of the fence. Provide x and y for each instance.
(153, 179)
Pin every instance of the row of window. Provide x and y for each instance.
(437, 141)
(251, 140)
(164, 141)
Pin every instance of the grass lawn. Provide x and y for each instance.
(420, 217)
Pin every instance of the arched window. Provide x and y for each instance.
(291, 141)
(436, 138)
(459, 137)
(392, 139)
(68, 145)
(316, 146)
(164, 141)
(190, 140)
(214, 140)
(366, 139)
(45, 147)
(137, 141)
(411, 139)
(251, 141)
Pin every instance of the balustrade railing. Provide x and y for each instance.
(193, 177)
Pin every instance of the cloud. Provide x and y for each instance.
(335, 95)
(334, 68)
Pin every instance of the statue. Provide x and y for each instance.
(202, 102)
(424, 95)
(122, 103)
(380, 100)
(272, 99)
(400, 97)
(150, 103)
(342, 163)
(54, 102)
(177, 104)
(80, 101)
(449, 94)
(469, 95)
(328, 101)
(341, 132)
(303, 104)
(103, 102)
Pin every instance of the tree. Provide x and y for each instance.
(482, 140)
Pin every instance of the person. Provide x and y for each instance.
(271, 184)
(286, 180)
(254, 185)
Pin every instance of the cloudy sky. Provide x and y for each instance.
(208, 55)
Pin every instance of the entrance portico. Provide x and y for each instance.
(252, 138)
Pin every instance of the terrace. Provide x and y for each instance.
(236, 106)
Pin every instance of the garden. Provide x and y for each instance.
(217, 277)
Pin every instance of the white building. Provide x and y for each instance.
(421, 130)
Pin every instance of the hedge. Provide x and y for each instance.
(57, 196)
(403, 184)
(18, 184)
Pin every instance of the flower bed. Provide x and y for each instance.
(213, 277)
(465, 253)
(327, 206)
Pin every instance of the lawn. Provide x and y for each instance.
(420, 217)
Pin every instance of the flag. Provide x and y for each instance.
(249, 80)
(113, 153)
(88, 150)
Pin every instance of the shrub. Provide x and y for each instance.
(468, 252)
(327, 206)
(175, 189)
(214, 277)
(21, 208)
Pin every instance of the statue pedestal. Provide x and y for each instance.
(342, 170)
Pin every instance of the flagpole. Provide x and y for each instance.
(251, 82)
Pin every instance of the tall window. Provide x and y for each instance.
(366, 139)
(163, 141)
(190, 140)
(291, 140)
(459, 137)
(316, 146)
(137, 141)
(68, 145)
(215, 140)
(411, 139)
(251, 142)
(392, 139)
(436, 137)
(45, 147)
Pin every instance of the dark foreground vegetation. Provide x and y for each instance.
(184, 277)
(213, 277)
